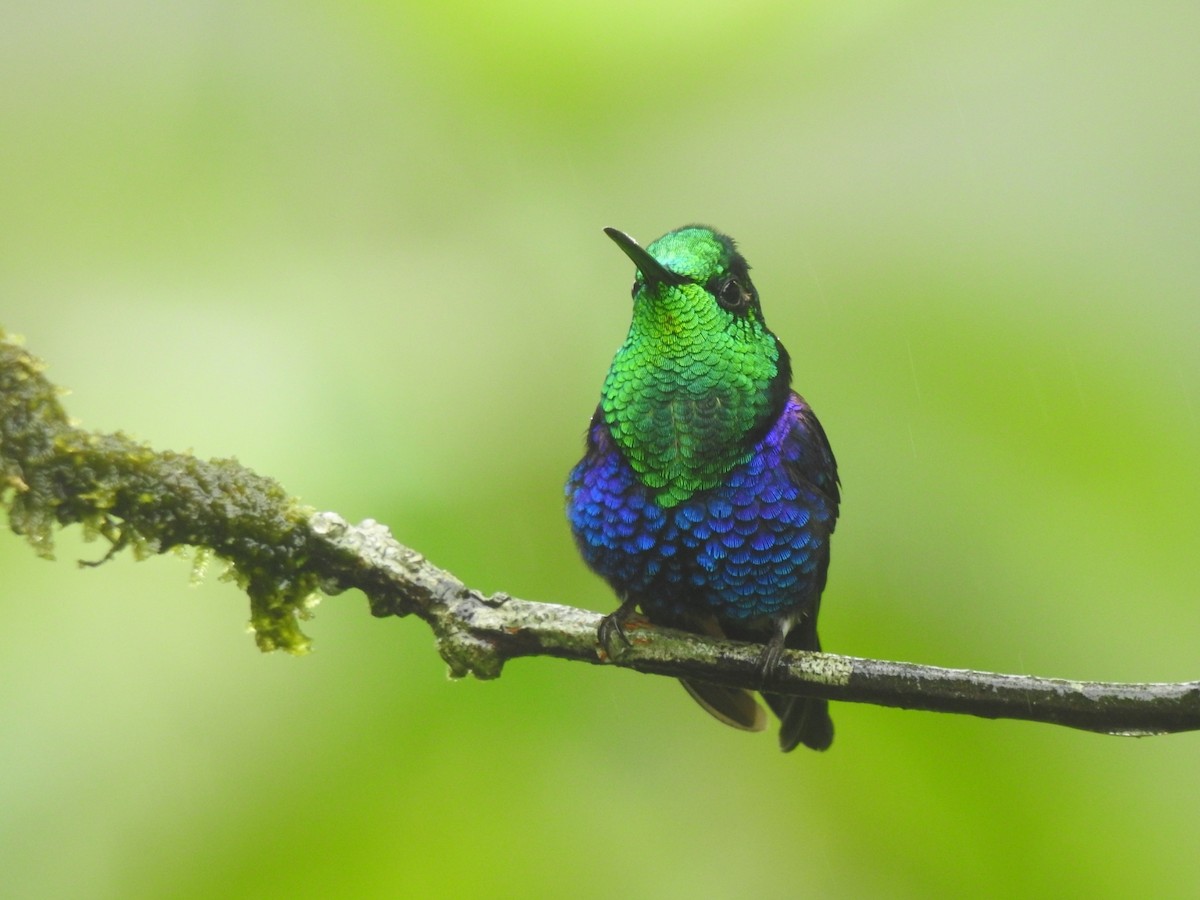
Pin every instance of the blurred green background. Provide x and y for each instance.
(358, 246)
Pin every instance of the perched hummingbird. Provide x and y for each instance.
(708, 491)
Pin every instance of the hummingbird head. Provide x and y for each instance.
(688, 258)
(700, 378)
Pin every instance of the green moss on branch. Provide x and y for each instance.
(54, 474)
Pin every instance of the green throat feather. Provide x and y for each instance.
(699, 378)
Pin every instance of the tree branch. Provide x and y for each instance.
(53, 474)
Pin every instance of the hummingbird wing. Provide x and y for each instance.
(811, 467)
(809, 458)
(733, 706)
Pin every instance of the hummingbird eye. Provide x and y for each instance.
(729, 294)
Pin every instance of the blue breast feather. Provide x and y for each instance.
(756, 545)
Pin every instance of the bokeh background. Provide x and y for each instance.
(358, 246)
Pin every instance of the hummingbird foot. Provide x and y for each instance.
(771, 656)
(613, 625)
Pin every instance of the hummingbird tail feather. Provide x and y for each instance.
(803, 720)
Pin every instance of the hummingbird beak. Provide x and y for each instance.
(652, 270)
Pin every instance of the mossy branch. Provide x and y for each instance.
(54, 474)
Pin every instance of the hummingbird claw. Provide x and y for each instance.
(613, 625)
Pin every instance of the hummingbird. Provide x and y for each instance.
(707, 493)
